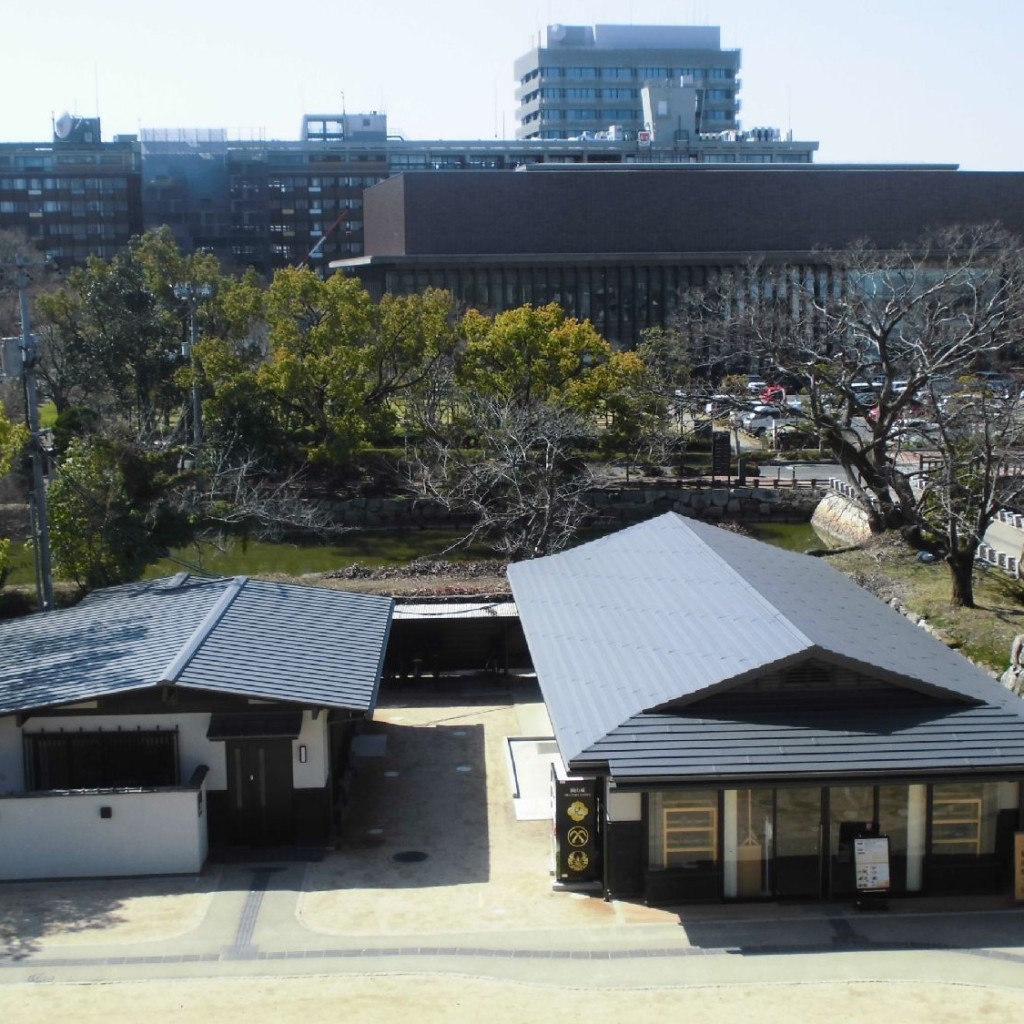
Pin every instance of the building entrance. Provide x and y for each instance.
(260, 792)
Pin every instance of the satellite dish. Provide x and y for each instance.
(556, 32)
(63, 125)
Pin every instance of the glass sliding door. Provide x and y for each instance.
(797, 838)
(851, 813)
(748, 847)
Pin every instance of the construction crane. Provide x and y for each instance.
(323, 238)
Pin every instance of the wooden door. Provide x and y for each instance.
(260, 792)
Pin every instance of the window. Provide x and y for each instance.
(581, 72)
(101, 760)
(964, 816)
(683, 829)
(616, 73)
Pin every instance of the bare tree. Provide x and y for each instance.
(865, 331)
(974, 437)
(234, 490)
(521, 484)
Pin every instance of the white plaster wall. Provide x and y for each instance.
(624, 806)
(312, 774)
(65, 837)
(194, 748)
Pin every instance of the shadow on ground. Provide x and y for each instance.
(418, 815)
(984, 925)
(93, 910)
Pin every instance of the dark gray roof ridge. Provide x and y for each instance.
(202, 631)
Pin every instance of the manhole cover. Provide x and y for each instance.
(410, 856)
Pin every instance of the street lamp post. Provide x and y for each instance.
(20, 358)
(193, 294)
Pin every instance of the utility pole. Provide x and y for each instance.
(193, 293)
(23, 357)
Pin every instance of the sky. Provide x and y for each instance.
(875, 81)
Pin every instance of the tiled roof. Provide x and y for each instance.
(674, 612)
(273, 641)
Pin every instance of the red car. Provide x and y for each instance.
(774, 394)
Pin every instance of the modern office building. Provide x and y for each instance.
(661, 95)
(74, 196)
(266, 204)
(616, 245)
(580, 79)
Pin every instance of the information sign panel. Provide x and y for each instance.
(871, 863)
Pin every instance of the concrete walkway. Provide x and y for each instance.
(476, 917)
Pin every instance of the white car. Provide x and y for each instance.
(762, 418)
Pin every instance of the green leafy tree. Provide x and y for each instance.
(341, 368)
(13, 437)
(316, 329)
(110, 515)
(534, 354)
(112, 336)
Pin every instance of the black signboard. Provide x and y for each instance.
(721, 453)
(576, 830)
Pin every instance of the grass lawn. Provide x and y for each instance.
(889, 569)
(372, 548)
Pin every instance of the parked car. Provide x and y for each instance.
(774, 394)
(909, 415)
(762, 418)
(718, 405)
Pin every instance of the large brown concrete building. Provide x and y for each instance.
(616, 245)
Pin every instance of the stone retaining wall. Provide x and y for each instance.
(841, 517)
(610, 507)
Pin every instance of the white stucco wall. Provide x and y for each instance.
(194, 749)
(312, 774)
(64, 836)
(624, 806)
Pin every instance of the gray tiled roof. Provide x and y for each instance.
(268, 640)
(811, 743)
(673, 610)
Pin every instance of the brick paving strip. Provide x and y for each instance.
(472, 952)
(243, 949)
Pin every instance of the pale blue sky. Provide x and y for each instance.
(872, 80)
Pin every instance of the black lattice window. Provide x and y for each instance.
(101, 759)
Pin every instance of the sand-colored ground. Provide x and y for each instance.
(452, 799)
(426, 999)
(439, 784)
